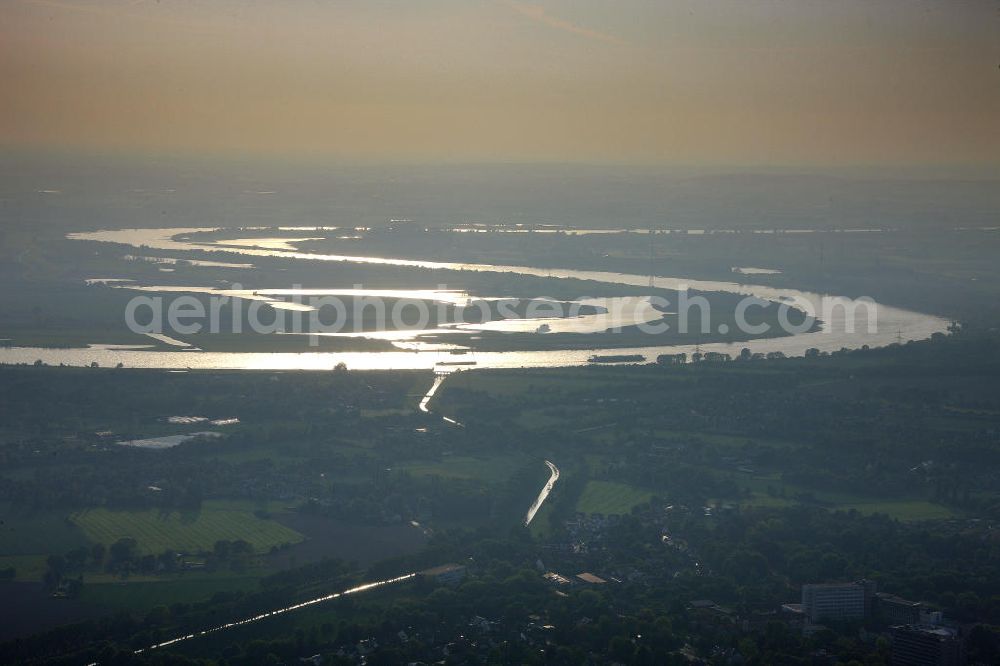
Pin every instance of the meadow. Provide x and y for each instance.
(191, 532)
(609, 497)
(141, 595)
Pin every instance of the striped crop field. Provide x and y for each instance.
(608, 497)
(156, 530)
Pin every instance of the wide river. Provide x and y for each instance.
(841, 327)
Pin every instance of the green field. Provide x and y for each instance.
(608, 497)
(541, 525)
(157, 531)
(539, 419)
(517, 382)
(26, 567)
(728, 441)
(26, 532)
(900, 509)
(143, 595)
(903, 509)
(465, 467)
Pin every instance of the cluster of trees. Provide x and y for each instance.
(123, 558)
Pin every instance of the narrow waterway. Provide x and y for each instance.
(544, 494)
(281, 611)
(438, 380)
(425, 401)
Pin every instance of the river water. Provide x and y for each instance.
(841, 327)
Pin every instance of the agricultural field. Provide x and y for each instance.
(156, 531)
(912, 510)
(27, 537)
(608, 497)
(901, 508)
(493, 469)
(27, 568)
(27, 532)
(143, 595)
(517, 382)
(904, 510)
(541, 526)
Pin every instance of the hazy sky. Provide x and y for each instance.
(765, 82)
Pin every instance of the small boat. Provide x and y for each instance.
(455, 363)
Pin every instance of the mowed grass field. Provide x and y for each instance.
(156, 531)
(905, 509)
(609, 497)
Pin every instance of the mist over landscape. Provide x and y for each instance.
(500, 332)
